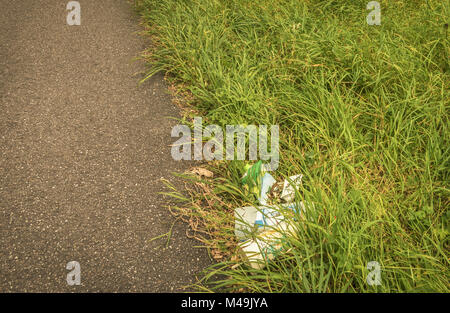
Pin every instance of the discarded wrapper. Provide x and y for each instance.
(271, 215)
(258, 219)
(244, 221)
(288, 193)
(252, 178)
(267, 222)
(266, 246)
(266, 184)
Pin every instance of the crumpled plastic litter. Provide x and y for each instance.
(267, 222)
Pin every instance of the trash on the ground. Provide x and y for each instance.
(257, 252)
(244, 221)
(252, 179)
(253, 173)
(288, 193)
(266, 224)
(266, 185)
(261, 183)
(202, 172)
(275, 192)
(252, 220)
(272, 215)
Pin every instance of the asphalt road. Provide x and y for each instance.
(82, 151)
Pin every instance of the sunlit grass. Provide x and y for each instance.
(363, 114)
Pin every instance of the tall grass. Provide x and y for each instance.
(363, 114)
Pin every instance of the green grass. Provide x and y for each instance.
(363, 114)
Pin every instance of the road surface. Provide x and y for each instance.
(82, 151)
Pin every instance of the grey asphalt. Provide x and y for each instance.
(82, 150)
